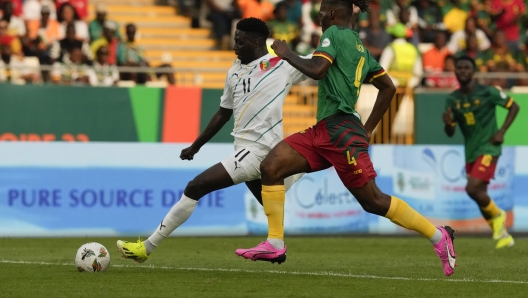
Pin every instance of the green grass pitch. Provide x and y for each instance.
(315, 267)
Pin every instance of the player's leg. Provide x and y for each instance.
(214, 178)
(373, 200)
(282, 166)
(255, 186)
(241, 166)
(479, 175)
(282, 162)
(347, 150)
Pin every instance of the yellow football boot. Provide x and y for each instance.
(130, 250)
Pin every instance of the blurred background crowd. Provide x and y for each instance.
(416, 41)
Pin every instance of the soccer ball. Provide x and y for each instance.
(92, 257)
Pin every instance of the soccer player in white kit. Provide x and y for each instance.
(255, 88)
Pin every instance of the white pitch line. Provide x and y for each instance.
(314, 273)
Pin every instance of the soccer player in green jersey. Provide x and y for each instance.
(341, 64)
(473, 108)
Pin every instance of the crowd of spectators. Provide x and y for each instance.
(77, 51)
(416, 41)
(494, 32)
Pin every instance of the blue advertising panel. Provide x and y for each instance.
(102, 189)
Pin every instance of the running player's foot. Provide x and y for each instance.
(130, 250)
(505, 242)
(445, 249)
(499, 225)
(263, 252)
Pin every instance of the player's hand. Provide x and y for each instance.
(188, 153)
(448, 117)
(497, 138)
(280, 47)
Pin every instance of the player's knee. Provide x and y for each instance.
(268, 169)
(472, 190)
(195, 189)
(377, 204)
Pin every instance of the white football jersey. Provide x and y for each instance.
(256, 92)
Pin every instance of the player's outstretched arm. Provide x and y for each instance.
(498, 137)
(314, 68)
(450, 124)
(386, 93)
(218, 120)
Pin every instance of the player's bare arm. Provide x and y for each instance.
(218, 120)
(498, 137)
(314, 68)
(449, 122)
(386, 93)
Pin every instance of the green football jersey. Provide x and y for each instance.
(351, 65)
(475, 113)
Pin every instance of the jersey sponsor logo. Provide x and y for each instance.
(458, 105)
(476, 102)
(467, 105)
(236, 166)
(325, 43)
(356, 172)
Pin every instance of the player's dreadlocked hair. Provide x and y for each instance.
(364, 5)
(254, 26)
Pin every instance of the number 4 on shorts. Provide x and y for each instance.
(351, 160)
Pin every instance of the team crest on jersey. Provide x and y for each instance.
(325, 43)
(477, 102)
(265, 64)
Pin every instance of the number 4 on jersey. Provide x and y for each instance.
(248, 85)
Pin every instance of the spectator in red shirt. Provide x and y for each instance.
(506, 15)
(433, 60)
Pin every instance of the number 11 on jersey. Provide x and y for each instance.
(248, 85)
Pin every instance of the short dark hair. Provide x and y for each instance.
(466, 58)
(364, 5)
(254, 26)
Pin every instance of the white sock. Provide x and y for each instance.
(437, 237)
(277, 243)
(178, 214)
(149, 247)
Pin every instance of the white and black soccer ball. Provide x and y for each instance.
(92, 257)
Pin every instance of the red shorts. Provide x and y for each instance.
(339, 141)
(483, 168)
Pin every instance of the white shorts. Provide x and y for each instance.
(244, 164)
